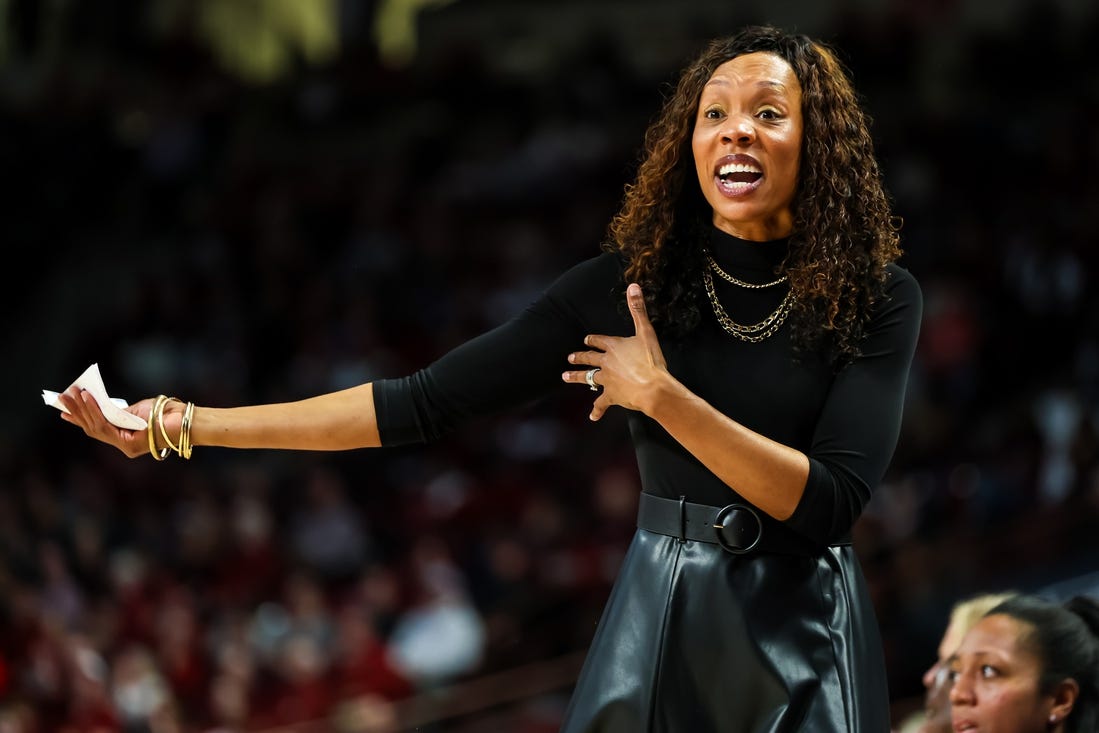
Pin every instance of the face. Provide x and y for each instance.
(747, 145)
(936, 704)
(937, 681)
(995, 682)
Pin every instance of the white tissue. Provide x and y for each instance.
(92, 382)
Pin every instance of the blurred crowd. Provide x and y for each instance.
(228, 241)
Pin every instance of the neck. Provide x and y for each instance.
(757, 231)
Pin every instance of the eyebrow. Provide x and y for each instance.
(979, 655)
(765, 84)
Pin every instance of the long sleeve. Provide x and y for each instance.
(511, 365)
(860, 422)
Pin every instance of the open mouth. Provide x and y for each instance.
(738, 177)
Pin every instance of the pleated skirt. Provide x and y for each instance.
(697, 640)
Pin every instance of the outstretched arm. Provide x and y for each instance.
(513, 364)
(633, 374)
(335, 421)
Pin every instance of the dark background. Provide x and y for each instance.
(256, 201)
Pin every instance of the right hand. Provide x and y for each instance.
(631, 368)
(84, 412)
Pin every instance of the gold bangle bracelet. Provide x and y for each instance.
(185, 445)
(160, 423)
(157, 407)
(190, 426)
(185, 431)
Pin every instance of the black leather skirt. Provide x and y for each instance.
(695, 639)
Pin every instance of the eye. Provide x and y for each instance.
(988, 671)
(942, 677)
(713, 113)
(768, 113)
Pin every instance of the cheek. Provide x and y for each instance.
(698, 149)
(1009, 706)
(790, 166)
(792, 150)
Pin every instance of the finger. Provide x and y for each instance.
(72, 399)
(90, 410)
(68, 397)
(593, 358)
(91, 417)
(597, 341)
(598, 408)
(577, 377)
(641, 324)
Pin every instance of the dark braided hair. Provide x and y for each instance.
(844, 232)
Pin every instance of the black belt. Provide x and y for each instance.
(738, 528)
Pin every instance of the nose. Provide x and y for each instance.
(929, 675)
(961, 691)
(739, 129)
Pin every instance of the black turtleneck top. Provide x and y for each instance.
(846, 422)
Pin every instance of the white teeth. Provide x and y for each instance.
(737, 168)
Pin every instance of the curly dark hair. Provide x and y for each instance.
(844, 231)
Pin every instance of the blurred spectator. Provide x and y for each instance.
(361, 667)
(327, 534)
(441, 636)
(178, 646)
(139, 691)
(935, 716)
(1045, 658)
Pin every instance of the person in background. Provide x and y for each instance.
(748, 312)
(1030, 665)
(935, 716)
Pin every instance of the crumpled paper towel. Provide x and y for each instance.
(92, 381)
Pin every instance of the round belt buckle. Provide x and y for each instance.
(738, 528)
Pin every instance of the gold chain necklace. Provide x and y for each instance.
(757, 331)
(735, 281)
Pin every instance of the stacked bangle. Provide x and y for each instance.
(183, 447)
(185, 431)
(158, 409)
(160, 423)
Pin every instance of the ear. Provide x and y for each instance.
(1064, 694)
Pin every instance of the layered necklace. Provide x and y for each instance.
(757, 331)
